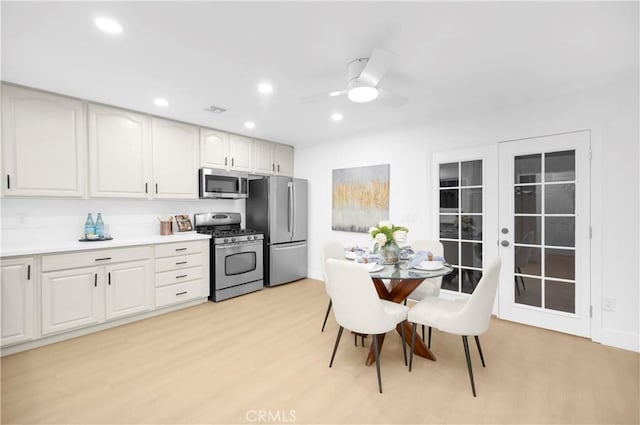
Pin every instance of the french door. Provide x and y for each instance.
(544, 231)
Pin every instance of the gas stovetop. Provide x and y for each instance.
(224, 228)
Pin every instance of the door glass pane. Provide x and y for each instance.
(560, 198)
(450, 281)
(560, 263)
(472, 254)
(559, 231)
(560, 166)
(560, 295)
(472, 227)
(528, 199)
(471, 200)
(471, 173)
(449, 226)
(449, 174)
(527, 230)
(449, 200)
(470, 279)
(528, 291)
(528, 168)
(451, 252)
(527, 260)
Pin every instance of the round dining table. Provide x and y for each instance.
(403, 281)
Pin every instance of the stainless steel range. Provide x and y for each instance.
(236, 255)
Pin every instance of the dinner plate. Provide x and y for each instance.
(428, 265)
(372, 267)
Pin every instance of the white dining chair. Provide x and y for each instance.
(357, 307)
(460, 318)
(429, 287)
(335, 250)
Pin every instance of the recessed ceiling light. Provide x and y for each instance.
(250, 124)
(336, 117)
(159, 101)
(108, 25)
(335, 93)
(265, 87)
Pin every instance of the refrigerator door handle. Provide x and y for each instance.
(290, 216)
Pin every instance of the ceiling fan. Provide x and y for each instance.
(363, 77)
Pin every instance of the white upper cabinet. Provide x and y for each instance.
(225, 151)
(241, 153)
(214, 148)
(283, 159)
(119, 153)
(263, 157)
(175, 159)
(43, 144)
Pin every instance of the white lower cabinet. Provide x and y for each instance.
(180, 272)
(129, 289)
(45, 296)
(71, 299)
(18, 300)
(84, 296)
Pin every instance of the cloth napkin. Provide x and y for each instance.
(371, 258)
(418, 258)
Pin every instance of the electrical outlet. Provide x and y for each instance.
(609, 304)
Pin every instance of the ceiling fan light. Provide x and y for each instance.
(362, 94)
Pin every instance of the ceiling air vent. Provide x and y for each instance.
(215, 109)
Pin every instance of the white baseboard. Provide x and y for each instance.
(620, 339)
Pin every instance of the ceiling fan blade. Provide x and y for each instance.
(390, 98)
(377, 65)
(323, 96)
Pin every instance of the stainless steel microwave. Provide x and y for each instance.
(221, 184)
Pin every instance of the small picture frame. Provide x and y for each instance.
(184, 223)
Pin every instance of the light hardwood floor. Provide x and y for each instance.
(263, 354)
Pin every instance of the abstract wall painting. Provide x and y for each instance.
(360, 197)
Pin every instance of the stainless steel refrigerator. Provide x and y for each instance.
(277, 207)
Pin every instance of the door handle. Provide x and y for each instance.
(225, 161)
(109, 278)
(232, 162)
(504, 243)
(29, 272)
(146, 187)
(156, 188)
(290, 215)
(95, 280)
(8, 181)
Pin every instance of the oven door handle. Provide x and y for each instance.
(242, 244)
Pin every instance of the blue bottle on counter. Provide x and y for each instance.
(89, 226)
(99, 226)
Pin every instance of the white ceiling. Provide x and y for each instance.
(452, 56)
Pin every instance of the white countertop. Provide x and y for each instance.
(46, 247)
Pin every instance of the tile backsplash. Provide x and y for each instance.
(26, 219)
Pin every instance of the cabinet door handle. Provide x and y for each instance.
(181, 249)
(95, 280)
(181, 293)
(8, 181)
(156, 188)
(273, 167)
(181, 276)
(103, 259)
(29, 272)
(181, 262)
(146, 187)
(109, 278)
(278, 167)
(232, 162)
(225, 161)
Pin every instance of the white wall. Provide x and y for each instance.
(59, 219)
(611, 113)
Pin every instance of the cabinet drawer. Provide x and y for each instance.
(178, 276)
(94, 258)
(178, 293)
(180, 248)
(178, 262)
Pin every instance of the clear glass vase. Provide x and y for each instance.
(390, 252)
